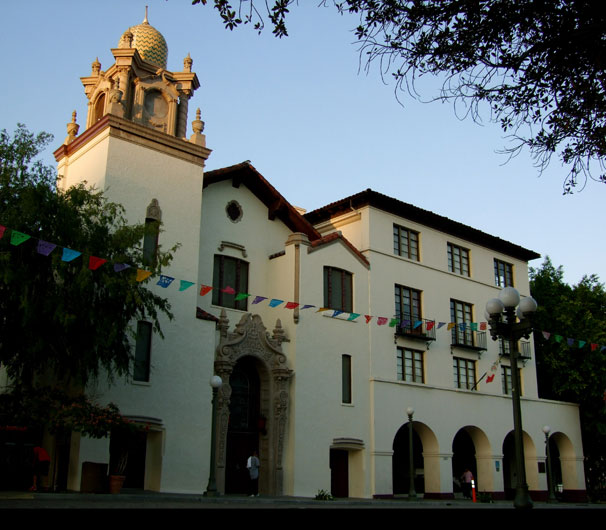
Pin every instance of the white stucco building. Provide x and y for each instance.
(319, 391)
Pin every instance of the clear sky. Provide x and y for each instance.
(305, 116)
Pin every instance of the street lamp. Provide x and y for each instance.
(551, 497)
(211, 489)
(511, 327)
(412, 494)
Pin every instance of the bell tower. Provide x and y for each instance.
(138, 87)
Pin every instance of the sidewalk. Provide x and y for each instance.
(141, 499)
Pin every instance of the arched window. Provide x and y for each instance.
(153, 217)
(100, 107)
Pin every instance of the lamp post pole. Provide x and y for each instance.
(511, 330)
(211, 488)
(412, 494)
(551, 497)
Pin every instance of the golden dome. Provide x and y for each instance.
(148, 41)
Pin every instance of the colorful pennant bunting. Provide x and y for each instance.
(185, 285)
(205, 289)
(94, 262)
(291, 305)
(45, 248)
(2, 229)
(142, 275)
(164, 281)
(241, 296)
(228, 290)
(18, 237)
(259, 299)
(119, 267)
(70, 255)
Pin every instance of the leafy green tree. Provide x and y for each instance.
(577, 372)
(62, 321)
(534, 67)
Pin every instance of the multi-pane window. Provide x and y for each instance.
(464, 371)
(461, 314)
(230, 272)
(405, 242)
(408, 303)
(338, 287)
(410, 365)
(458, 259)
(143, 351)
(346, 378)
(503, 273)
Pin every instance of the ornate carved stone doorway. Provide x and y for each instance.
(248, 353)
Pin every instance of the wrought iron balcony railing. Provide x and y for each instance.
(421, 328)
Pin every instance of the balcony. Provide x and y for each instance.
(421, 329)
(523, 347)
(469, 339)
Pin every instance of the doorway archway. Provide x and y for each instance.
(252, 403)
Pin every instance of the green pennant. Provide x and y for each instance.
(18, 237)
(241, 296)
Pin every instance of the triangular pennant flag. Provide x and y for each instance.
(558, 338)
(417, 324)
(94, 262)
(462, 326)
(582, 343)
(185, 285)
(228, 290)
(322, 309)
(473, 326)
(430, 325)
(381, 321)
(45, 248)
(2, 229)
(440, 324)
(603, 348)
(393, 322)
(450, 326)
(259, 299)
(336, 313)
(69, 254)
(142, 275)
(164, 281)
(405, 323)
(368, 318)
(490, 378)
(570, 342)
(291, 305)
(546, 335)
(241, 296)
(275, 302)
(353, 316)
(205, 289)
(18, 237)
(594, 346)
(119, 267)
(306, 306)
(482, 326)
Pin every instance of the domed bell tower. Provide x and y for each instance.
(138, 87)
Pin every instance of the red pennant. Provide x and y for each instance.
(205, 289)
(430, 325)
(291, 305)
(94, 262)
(381, 321)
(368, 318)
(594, 347)
(228, 290)
(2, 229)
(482, 325)
(490, 378)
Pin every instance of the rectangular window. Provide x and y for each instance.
(464, 373)
(143, 351)
(150, 241)
(458, 260)
(507, 381)
(346, 378)
(230, 272)
(410, 366)
(503, 273)
(338, 287)
(408, 303)
(461, 314)
(405, 242)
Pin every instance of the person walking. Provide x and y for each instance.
(41, 465)
(253, 465)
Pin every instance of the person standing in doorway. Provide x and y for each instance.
(41, 465)
(466, 479)
(253, 465)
